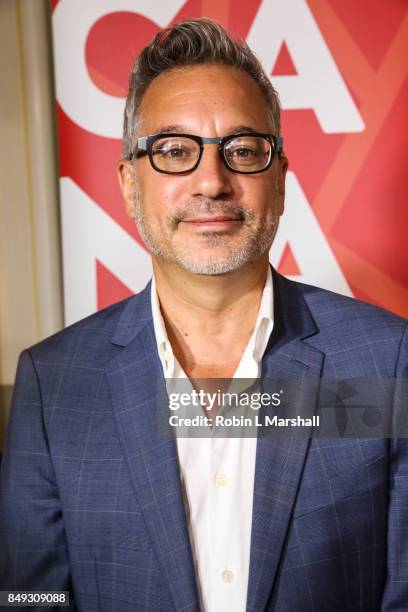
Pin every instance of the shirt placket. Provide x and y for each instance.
(223, 570)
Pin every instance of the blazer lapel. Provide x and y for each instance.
(280, 458)
(139, 398)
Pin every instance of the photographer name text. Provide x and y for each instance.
(241, 421)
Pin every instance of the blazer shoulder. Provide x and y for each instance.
(344, 316)
(89, 339)
(358, 339)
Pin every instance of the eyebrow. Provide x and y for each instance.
(244, 128)
(168, 129)
(179, 129)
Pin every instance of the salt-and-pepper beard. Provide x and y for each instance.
(254, 244)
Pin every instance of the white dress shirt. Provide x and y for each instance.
(217, 476)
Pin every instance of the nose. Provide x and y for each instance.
(211, 178)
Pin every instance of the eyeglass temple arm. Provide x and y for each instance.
(141, 146)
(279, 144)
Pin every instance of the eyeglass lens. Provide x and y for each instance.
(180, 153)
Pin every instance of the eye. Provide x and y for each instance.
(242, 152)
(174, 149)
(243, 149)
(173, 152)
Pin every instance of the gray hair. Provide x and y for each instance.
(188, 43)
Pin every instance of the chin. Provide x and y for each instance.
(209, 270)
(213, 266)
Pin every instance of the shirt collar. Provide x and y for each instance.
(164, 348)
(264, 321)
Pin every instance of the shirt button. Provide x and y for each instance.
(227, 576)
(221, 480)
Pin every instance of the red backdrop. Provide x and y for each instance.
(355, 182)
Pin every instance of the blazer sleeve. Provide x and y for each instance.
(33, 549)
(396, 587)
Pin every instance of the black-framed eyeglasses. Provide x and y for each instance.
(172, 153)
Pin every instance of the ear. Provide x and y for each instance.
(127, 182)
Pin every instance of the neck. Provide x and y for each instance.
(209, 319)
(208, 301)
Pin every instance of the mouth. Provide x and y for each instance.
(213, 222)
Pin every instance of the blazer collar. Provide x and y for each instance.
(136, 314)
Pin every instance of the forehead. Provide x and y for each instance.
(210, 98)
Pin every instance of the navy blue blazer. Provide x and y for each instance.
(91, 499)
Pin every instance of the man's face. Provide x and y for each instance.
(211, 220)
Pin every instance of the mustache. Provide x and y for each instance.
(210, 207)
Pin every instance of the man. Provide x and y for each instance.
(94, 499)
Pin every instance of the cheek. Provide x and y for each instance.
(259, 191)
(159, 195)
(261, 199)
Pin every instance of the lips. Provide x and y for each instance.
(218, 223)
(214, 219)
